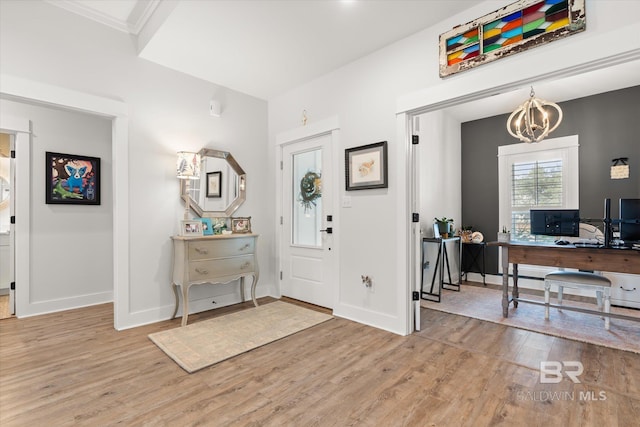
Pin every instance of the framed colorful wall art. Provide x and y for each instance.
(72, 179)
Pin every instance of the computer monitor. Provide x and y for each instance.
(629, 220)
(555, 222)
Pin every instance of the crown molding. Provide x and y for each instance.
(138, 17)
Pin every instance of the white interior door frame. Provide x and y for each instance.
(23, 89)
(330, 126)
(20, 183)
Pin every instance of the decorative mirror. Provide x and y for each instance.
(221, 188)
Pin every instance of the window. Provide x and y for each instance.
(542, 175)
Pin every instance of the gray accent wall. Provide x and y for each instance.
(607, 128)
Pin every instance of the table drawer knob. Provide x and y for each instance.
(202, 271)
(245, 265)
(246, 246)
(202, 251)
(627, 290)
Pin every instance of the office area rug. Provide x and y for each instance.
(205, 343)
(486, 304)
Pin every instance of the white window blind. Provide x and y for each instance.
(534, 185)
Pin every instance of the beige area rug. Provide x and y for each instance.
(486, 304)
(202, 344)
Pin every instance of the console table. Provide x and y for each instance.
(568, 256)
(213, 259)
(442, 259)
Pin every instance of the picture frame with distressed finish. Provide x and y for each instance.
(241, 225)
(515, 28)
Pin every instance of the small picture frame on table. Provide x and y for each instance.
(191, 228)
(214, 184)
(207, 227)
(241, 225)
(220, 225)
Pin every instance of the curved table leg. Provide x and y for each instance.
(177, 295)
(253, 288)
(242, 289)
(185, 304)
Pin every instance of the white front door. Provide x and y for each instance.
(307, 222)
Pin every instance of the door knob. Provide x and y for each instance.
(328, 230)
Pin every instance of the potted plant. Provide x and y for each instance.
(445, 226)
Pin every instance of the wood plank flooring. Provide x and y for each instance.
(73, 368)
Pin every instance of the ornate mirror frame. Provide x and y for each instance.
(242, 186)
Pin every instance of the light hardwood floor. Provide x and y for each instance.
(73, 368)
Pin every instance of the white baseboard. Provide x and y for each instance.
(53, 306)
(159, 314)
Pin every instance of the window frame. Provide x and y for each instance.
(565, 148)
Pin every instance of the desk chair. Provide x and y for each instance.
(581, 280)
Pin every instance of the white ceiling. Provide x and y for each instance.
(266, 47)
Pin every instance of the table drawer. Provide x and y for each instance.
(626, 292)
(221, 248)
(217, 268)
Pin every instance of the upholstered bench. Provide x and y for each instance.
(582, 280)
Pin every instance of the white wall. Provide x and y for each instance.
(71, 245)
(168, 113)
(364, 95)
(440, 182)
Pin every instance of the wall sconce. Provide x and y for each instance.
(620, 168)
(188, 168)
(530, 122)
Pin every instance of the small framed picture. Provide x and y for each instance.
(366, 167)
(241, 225)
(214, 184)
(207, 226)
(191, 228)
(72, 179)
(220, 225)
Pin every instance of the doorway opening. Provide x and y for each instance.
(7, 305)
(433, 181)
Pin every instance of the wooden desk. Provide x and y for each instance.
(568, 256)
